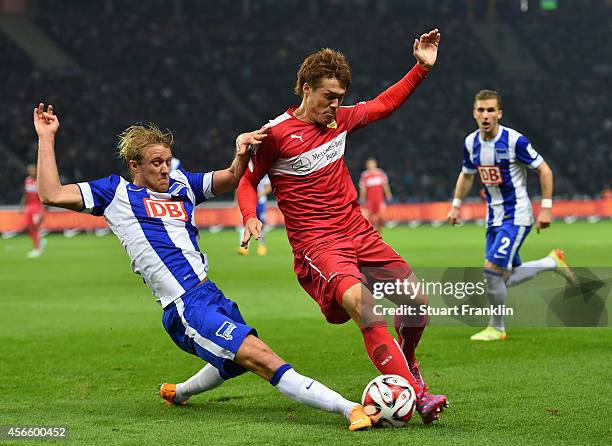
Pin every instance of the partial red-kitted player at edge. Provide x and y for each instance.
(33, 212)
(337, 253)
(373, 190)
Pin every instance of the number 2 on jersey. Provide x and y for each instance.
(503, 249)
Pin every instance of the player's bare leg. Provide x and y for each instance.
(255, 356)
(383, 350)
(409, 330)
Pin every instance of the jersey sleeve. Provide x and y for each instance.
(393, 97)
(468, 166)
(527, 154)
(200, 183)
(259, 165)
(98, 194)
(354, 116)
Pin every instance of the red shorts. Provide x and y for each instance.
(362, 254)
(32, 216)
(376, 207)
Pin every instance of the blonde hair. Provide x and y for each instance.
(136, 139)
(483, 95)
(326, 63)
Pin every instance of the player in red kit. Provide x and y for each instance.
(373, 190)
(338, 255)
(33, 212)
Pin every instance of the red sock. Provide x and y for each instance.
(385, 354)
(409, 334)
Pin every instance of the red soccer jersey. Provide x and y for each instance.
(31, 193)
(311, 182)
(373, 182)
(306, 166)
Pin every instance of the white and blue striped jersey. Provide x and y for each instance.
(262, 197)
(175, 164)
(501, 166)
(156, 229)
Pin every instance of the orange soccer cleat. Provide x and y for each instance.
(358, 418)
(168, 393)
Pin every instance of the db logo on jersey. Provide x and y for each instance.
(490, 175)
(166, 209)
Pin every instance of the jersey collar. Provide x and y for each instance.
(500, 130)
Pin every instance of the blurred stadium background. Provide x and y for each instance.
(210, 69)
(81, 343)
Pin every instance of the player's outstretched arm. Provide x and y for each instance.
(546, 186)
(425, 51)
(463, 186)
(50, 190)
(262, 160)
(227, 180)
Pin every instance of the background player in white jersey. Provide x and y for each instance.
(500, 155)
(263, 190)
(153, 217)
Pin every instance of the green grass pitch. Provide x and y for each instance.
(82, 345)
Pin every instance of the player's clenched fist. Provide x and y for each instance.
(252, 228)
(453, 216)
(45, 122)
(544, 219)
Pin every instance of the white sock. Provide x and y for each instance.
(530, 269)
(206, 379)
(307, 391)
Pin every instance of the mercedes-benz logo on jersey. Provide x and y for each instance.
(301, 165)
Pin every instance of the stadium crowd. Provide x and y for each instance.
(209, 70)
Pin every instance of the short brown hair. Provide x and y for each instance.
(483, 95)
(136, 139)
(325, 63)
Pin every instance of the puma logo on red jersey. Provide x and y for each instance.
(174, 210)
(292, 136)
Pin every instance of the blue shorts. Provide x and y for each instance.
(503, 244)
(207, 324)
